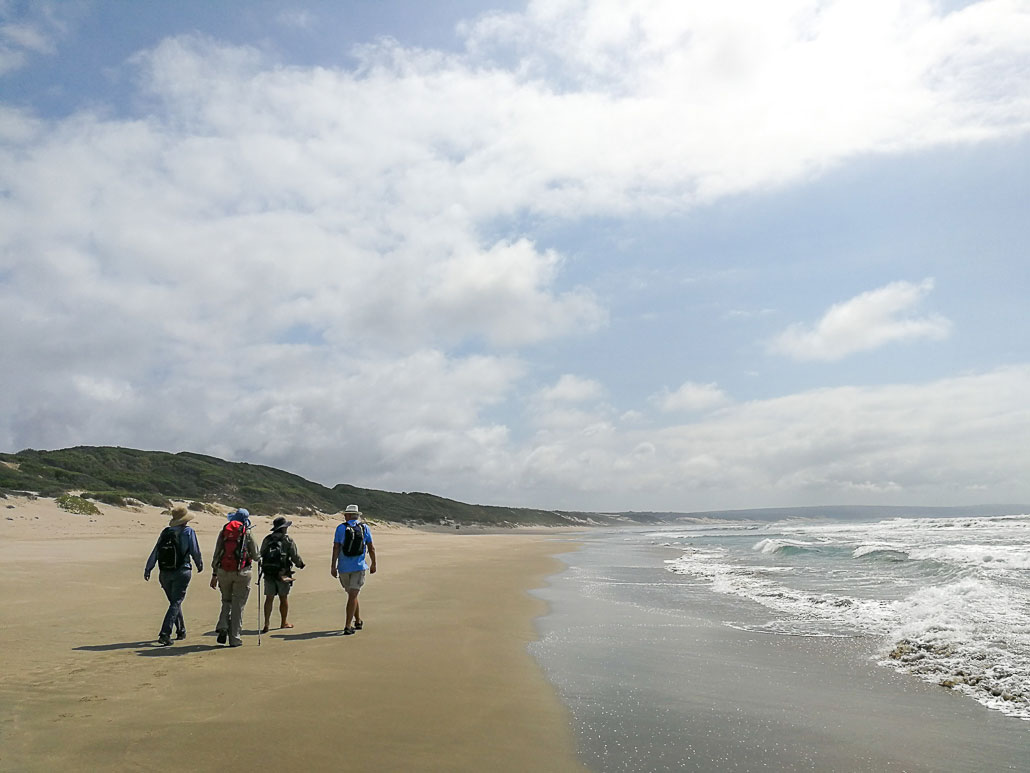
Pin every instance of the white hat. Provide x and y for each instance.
(352, 510)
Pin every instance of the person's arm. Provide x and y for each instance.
(252, 548)
(372, 555)
(336, 557)
(295, 558)
(195, 550)
(216, 557)
(152, 561)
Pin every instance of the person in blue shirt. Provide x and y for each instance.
(350, 569)
(175, 580)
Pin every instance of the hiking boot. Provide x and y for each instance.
(180, 635)
(164, 640)
(223, 637)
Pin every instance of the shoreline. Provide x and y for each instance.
(440, 679)
(655, 679)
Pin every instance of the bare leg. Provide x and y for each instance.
(268, 611)
(284, 609)
(352, 607)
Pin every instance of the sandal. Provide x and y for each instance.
(348, 631)
(359, 624)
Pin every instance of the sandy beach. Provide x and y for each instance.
(440, 679)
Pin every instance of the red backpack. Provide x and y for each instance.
(235, 555)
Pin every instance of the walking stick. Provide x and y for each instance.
(258, 605)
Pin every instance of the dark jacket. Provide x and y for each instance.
(291, 549)
(188, 549)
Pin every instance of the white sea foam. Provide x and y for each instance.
(776, 545)
(970, 635)
(881, 549)
(948, 598)
(985, 556)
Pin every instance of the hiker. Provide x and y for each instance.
(350, 543)
(234, 552)
(176, 546)
(278, 557)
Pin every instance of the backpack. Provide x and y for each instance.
(234, 547)
(169, 551)
(275, 557)
(354, 540)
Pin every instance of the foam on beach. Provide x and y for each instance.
(946, 598)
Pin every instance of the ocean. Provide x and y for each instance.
(900, 644)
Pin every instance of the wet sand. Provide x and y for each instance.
(440, 679)
(656, 680)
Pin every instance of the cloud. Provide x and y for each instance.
(942, 442)
(866, 322)
(705, 100)
(572, 389)
(691, 397)
(336, 270)
(26, 32)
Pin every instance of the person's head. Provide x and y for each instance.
(240, 514)
(352, 513)
(180, 516)
(281, 524)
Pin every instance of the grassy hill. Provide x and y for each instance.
(114, 475)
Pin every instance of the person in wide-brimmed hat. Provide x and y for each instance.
(278, 557)
(175, 548)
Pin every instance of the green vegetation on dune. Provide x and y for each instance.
(77, 505)
(117, 475)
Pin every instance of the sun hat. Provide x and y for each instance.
(280, 522)
(180, 515)
(239, 513)
(352, 510)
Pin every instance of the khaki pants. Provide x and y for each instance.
(235, 588)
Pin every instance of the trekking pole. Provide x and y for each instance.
(259, 601)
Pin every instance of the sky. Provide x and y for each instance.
(568, 254)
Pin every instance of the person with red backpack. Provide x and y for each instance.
(235, 551)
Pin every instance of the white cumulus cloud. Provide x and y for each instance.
(336, 270)
(572, 389)
(867, 321)
(691, 397)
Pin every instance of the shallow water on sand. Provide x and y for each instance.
(665, 669)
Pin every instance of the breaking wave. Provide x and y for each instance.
(948, 600)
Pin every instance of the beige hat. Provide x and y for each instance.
(180, 516)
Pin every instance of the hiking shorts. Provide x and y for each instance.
(352, 580)
(276, 587)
